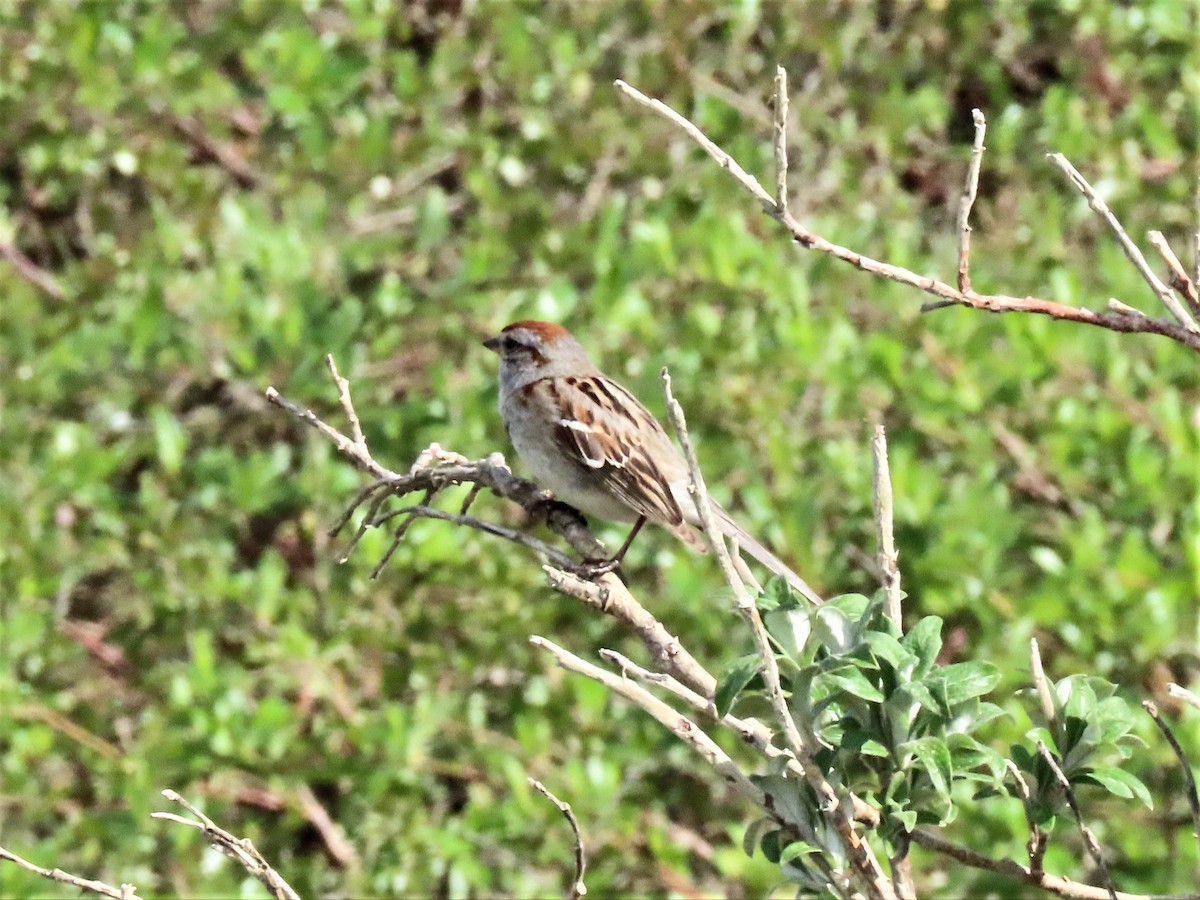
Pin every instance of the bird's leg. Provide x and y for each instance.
(594, 568)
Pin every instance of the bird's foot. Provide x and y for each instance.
(594, 569)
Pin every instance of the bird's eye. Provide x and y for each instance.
(510, 343)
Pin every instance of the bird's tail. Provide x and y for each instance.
(752, 547)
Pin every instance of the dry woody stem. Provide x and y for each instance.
(1183, 331)
(1189, 779)
(1089, 839)
(240, 849)
(970, 189)
(578, 888)
(865, 866)
(889, 567)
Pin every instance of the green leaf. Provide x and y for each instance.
(934, 756)
(890, 650)
(737, 675)
(854, 682)
(835, 630)
(754, 832)
(1117, 781)
(789, 797)
(790, 629)
(795, 850)
(968, 679)
(925, 640)
(856, 740)
(170, 440)
(778, 594)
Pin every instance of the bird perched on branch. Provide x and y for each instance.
(596, 447)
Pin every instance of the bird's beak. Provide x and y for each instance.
(493, 344)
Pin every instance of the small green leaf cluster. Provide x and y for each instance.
(1089, 725)
(897, 726)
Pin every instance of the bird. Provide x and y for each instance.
(596, 447)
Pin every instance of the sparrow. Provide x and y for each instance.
(596, 447)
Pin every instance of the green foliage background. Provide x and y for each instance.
(398, 183)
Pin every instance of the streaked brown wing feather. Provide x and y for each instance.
(601, 437)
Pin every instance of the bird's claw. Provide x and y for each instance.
(593, 569)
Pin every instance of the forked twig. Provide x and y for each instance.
(947, 294)
(1089, 838)
(124, 892)
(240, 849)
(1165, 294)
(578, 888)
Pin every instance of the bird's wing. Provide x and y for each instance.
(604, 429)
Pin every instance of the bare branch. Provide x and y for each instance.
(1189, 779)
(1089, 839)
(754, 733)
(1196, 238)
(1165, 294)
(970, 189)
(781, 114)
(212, 150)
(724, 160)
(672, 719)
(889, 568)
(578, 888)
(31, 272)
(1180, 280)
(1055, 884)
(1124, 308)
(332, 834)
(1038, 838)
(947, 293)
(124, 892)
(862, 857)
(343, 389)
(1182, 693)
(611, 597)
(240, 849)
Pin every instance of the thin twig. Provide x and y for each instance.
(124, 892)
(1124, 308)
(685, 729)
(1039, 840)
(1165, 294)
(1089, 839)
(931, 839)
(1182, 693)
(578, 888)
(865, 866)
(343, 389)
(1196, 237)
(672, 719)
(970, 189)
(1180, 280)
(212, 150)
(1189, 779)
(998, 303)
(610, 596)
(724, 160)
(332, 834)
(889, 567)
(31, 272)
(241, 849)
(781, 114)
(752, 732)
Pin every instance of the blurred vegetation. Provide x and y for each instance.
(224, 192)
